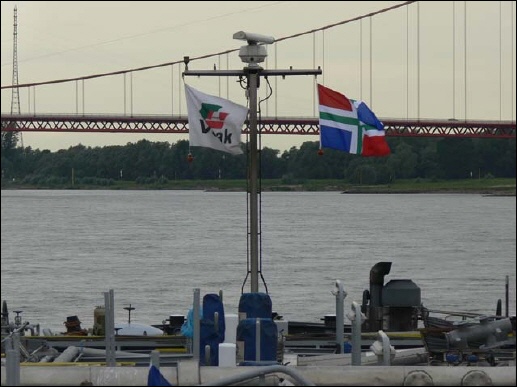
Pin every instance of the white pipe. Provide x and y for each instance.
(95, 352)
(356, 318)
(69, 354)
(257, 340)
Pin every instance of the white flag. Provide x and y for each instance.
(214, 122)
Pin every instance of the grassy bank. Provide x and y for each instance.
(482, 186)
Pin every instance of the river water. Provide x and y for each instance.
(62, 249)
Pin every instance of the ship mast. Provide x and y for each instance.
(252, 54)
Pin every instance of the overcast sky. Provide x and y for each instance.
(410, 74)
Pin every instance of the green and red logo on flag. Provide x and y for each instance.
(214, 119)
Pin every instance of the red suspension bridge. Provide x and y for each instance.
(155, 124)
(442, 70)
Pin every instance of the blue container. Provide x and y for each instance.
(247, 340)
(255, 305)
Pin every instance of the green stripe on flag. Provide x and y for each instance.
(340, 119)
(360, 140)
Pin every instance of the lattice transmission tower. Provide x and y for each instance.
(15, 96)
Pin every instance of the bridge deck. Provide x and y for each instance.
(268, 125)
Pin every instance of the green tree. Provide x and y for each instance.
(455, 157)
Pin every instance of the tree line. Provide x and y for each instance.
(147, 162)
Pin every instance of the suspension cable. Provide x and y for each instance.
(99, 75)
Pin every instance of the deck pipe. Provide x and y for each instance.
(109, 334)
(196, 350)
(374, 311)
(257, 340)
(507, 296)
(488, 332)
(377, 273)
(69, 354)
(340, 317)
(382, 349)
(357, 319)
(155, 359)
(12, 361)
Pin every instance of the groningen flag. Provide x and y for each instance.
(214, 122)
(349, 125)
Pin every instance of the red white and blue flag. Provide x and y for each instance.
(349, 125)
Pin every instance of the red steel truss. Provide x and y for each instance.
(309, 126)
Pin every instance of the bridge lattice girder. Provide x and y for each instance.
(297, 126)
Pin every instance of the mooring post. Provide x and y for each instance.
(109, 334)
(340, 317)
(197, 325)
(155, 358)
(12, 362)
(357, 319)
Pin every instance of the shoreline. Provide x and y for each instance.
(484, 192)
(489, 187)
(498, 192)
